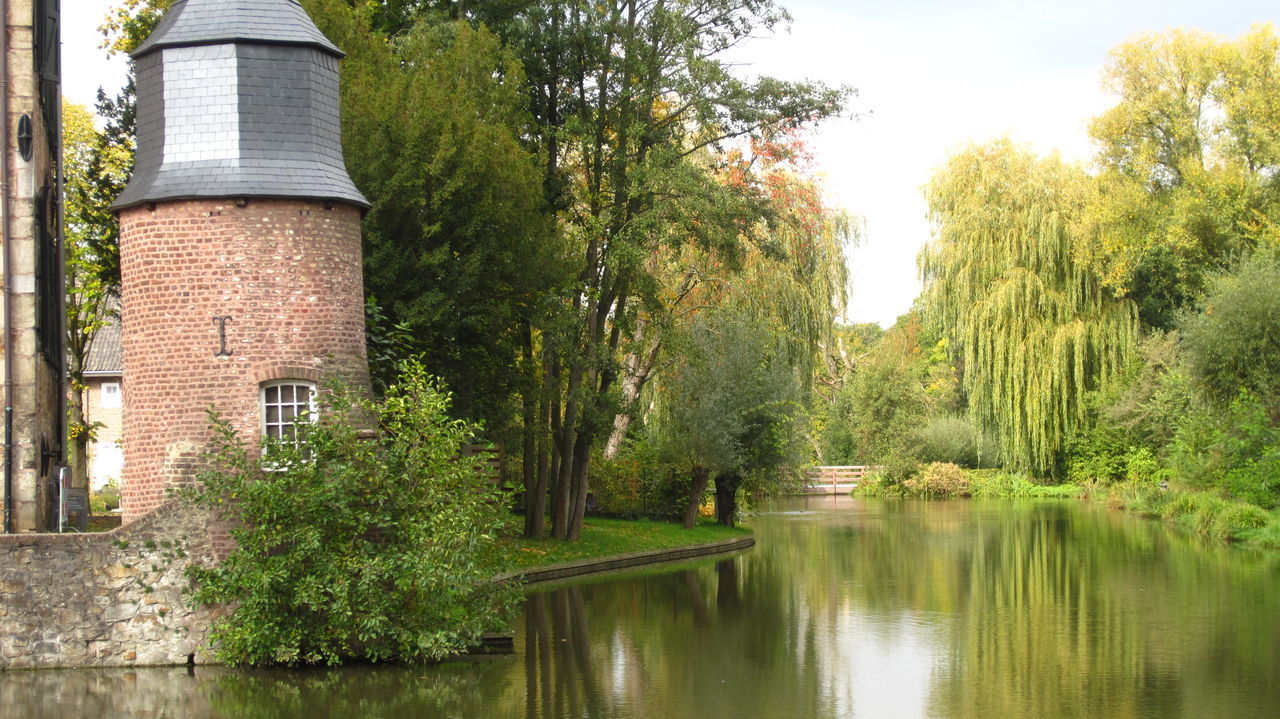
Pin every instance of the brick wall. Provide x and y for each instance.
(287, 273)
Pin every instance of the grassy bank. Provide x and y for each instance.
(1200, 512)
(1197, 512)
(610, 537)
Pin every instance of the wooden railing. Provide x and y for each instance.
(833, 480)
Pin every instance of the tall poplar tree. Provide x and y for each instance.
(1036, 327)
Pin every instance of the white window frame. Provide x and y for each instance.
(114, 403)
(271, 396)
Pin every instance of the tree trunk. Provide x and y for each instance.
(701, 475)
(535, 487)
(636, 369)
(78, 447)
(727, 498)
(581, 463)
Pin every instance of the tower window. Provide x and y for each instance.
(285, 405)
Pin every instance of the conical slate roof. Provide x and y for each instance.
(238, 98)
(202, 22)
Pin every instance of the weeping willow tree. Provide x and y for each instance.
(1035, 327)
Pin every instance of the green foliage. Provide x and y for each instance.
(1035, 328)
(1234, 343)
(1236, 451)
(351, 547)
(387, 344)
(105, 499)
(998, 484)
(638, 484)
(733, 403)
(1196, 511)
(1187, 156)
(873, 417)
(458, 248)
(939, 479)
(953, 439)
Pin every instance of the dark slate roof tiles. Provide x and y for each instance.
(241, 116)
(199, 22)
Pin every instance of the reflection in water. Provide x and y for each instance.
(954, 610)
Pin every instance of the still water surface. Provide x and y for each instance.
(845, 608)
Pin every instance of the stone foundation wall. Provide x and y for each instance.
(108, 599)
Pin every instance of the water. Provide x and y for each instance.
(845, 608)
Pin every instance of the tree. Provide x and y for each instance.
(631, 101)
(1233, 345)
(731, 408)
(1187, 155)
(791, 269)
(457, 246)
(90, 163)
(1036, 328)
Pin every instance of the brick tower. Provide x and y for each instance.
(239, 236)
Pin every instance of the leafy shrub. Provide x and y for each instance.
(1236, 452)
(106, 499)
(879, 484)
(637, 485)
(353, 547)
(939, 479)
(992, 483)
(1234, 343)
(954, 440)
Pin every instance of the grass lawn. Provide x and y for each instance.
(609, 537)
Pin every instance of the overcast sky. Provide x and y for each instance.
(931, 76)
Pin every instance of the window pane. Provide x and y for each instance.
(273, 414)
(286, 393)
(273, 395)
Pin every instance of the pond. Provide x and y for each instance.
(845, 608)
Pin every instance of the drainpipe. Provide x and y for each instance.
(8, 270)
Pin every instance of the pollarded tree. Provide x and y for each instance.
(1036, 328)
(729, 407)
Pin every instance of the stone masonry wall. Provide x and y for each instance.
(286, 272)
(37, 385)
(108, 599)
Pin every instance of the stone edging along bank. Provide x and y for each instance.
(565, 570)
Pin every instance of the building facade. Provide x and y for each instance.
(240, 239)
(30, 224)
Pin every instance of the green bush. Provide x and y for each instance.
(939, 479)
(106, 499)
(1236, 452)
(352, 547)
(997, 484)
(636, 485)
(1234, 343)
(954, 440)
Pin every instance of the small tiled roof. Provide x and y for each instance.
(241, 100)
(104, 352)
(199, 22)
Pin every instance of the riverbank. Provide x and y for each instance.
(1197, 512)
